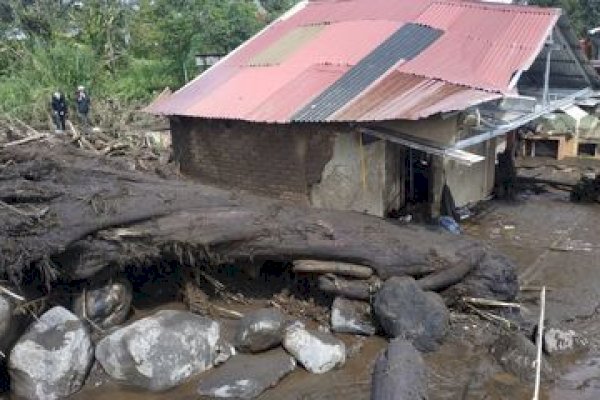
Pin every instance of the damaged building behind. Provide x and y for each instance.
(370, 105)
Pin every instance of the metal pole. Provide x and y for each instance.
(538, 362)
(547, 73)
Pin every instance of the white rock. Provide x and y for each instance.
(161, 351)
(318, 352)
(561, 341)
(52, 359)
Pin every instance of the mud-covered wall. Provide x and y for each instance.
(363, 175)
(326, 166)
(469, 184)
(281, 161)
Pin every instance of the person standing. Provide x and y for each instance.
(83, 106)
(59, 111)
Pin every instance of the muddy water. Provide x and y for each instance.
(463, 369)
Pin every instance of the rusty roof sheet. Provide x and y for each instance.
(404, 96)
(481, 47)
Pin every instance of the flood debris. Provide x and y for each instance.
(587, 190)
(247, 376)
(405, 311)
(161, 351)
(517, 355)
(352, 316)
(105, 225)
(105, 306)
(562, 341)
(336, 268)
(400, 373)
(260, 330)
(6, 317)
(318, 352)
(52, 359)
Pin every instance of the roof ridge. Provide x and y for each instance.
(517, 8)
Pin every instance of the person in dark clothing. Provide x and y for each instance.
(59, 110)
(83, 106)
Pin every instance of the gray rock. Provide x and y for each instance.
(6, 316)
(352, 316)
(106, 306)
(399, 373)
(318, 352)
(260, 330)
(52, 359)
(517, 354)
(405, 311)
(160, 351)
(558, 341)
(247, 376)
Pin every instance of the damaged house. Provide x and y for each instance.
(370, 105)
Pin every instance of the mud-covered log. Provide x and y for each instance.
(333, 267)
(101, 214)
(351, 289)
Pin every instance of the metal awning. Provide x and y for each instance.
(458, 155)
(523, 119)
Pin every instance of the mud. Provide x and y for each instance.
(554, 243)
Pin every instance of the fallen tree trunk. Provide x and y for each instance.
(91, 200)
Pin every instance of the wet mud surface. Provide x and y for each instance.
(555, 243)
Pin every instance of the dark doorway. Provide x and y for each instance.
(586, 149)
(418, 166)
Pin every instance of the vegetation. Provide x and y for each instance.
(584, 14)
(124, 51)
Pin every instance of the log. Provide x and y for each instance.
(91, 200)
(28, 139)
(329, 267)
(351, 289)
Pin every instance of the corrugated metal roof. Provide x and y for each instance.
(482, 47)
(405, 96)
(404, 44)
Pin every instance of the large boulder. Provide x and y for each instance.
(517, 355)
(405, 311)
(318, 352)
(160, 351)
(52, 359)
(352, 316)
(247, 376)
(260, 330)
(399, 373)
(106, 306)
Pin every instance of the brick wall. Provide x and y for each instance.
(277, 160)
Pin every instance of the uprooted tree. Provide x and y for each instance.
(70, 215)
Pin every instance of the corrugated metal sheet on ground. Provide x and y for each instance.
(405, 96)
(405, 44)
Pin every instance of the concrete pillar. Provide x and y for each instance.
(436, 186)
